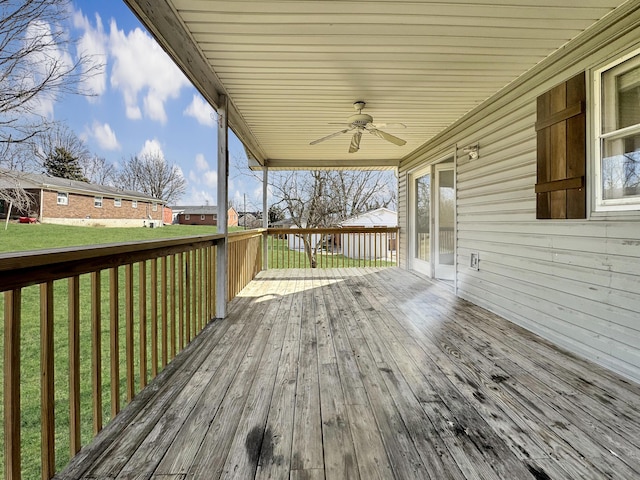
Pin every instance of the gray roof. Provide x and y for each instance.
(195, 209)
(11, 179)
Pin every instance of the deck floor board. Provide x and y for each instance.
(369, 373)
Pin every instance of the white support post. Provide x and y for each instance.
(223, 207)
(265, 218)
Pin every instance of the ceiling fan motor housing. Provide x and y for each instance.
(360, 119)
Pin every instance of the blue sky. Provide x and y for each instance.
(143, 102)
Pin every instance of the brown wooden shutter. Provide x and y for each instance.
(561, 134)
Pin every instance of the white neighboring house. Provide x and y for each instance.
(359, 245)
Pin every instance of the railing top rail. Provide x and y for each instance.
(21, 269)
(239, 235)
(280, 231)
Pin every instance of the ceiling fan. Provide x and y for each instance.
(361, 122)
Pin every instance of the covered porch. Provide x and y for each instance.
(369, 373)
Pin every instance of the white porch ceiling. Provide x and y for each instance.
(291, 67)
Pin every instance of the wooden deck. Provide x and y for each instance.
(362, 373)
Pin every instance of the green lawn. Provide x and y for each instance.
(20, 237)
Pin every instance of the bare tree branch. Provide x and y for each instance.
(35, 64)
(152, 175)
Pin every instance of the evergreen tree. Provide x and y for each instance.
(62, 163)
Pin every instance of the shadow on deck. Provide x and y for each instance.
(363, 373)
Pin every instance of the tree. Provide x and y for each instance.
(12, 194)
(62, 163)
(35, 65)
(98, 170)
(151, 174)
(324, 198)
(275, 214)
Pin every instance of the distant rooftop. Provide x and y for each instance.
(11, 179)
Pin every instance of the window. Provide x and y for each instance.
(617, 117)
(134, 204)
(187, 216)
(117, 202)
(63, 198)
(201, 217)
(155, 207)
(97, 202)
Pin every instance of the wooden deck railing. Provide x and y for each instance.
(332, 247)
(149, 298)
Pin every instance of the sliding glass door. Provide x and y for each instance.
(432, 191)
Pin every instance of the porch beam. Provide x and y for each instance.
(223, 207)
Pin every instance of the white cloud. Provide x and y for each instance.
(41, 64)
(93, 46)
(141, 67)
(105, 136)
(201, 111)
(210, 178)
(201, 162)
(151, 148)
(200, 197)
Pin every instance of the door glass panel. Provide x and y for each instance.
(446, 217)
(423, 219)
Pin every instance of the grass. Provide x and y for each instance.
(21, 237)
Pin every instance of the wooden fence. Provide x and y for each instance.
(164, 293)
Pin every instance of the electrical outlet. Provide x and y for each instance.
(474, 263)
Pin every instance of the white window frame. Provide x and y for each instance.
(97, 201)
(618, 204)
(187, 216)
(154, 207)
(62, 198)
(202, 217)
(117, 202)
(134, 204)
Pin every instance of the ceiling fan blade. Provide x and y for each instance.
(355, 142)
(390, 125)
(330, 136)
(387, 136)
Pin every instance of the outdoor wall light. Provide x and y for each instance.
(473, 151)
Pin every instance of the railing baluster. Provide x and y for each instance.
(128, 285)
(194, 303)
(74, 365)
(164, 325)
(200, 289)
(154, 317)
(114, 341)
(12, 312)
(47, 385)
(187, 297)
(96, 350)
(214, 284)
(142, 307)
(172, 306)
(181, 328)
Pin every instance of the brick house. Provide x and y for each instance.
(202, 215)
(70, 202)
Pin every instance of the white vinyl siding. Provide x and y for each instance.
(574, 282)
